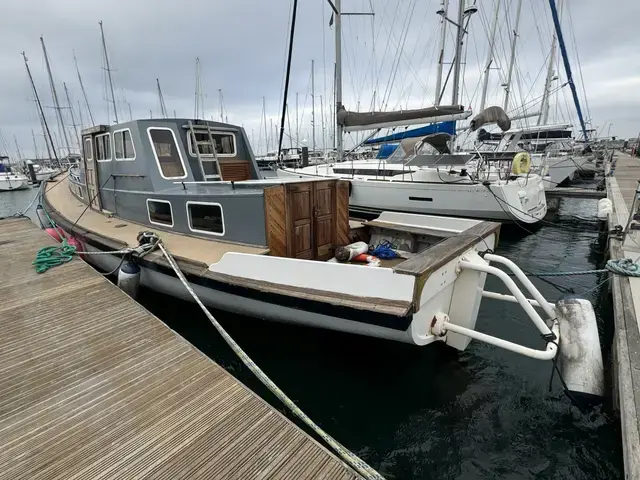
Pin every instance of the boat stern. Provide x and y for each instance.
(523, 199)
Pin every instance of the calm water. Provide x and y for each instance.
(433, 413)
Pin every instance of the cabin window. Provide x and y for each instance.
(165, 149)
(225, 144)
(205, 218)
(80, 192)
(88, 150)
(160, 212)
(103, 147)
(123, 145)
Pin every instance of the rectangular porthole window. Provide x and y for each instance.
(88, 150)
(205, 218)
(123, 145)
(160, 212)
(225, 144)
(168, 156)
(103, 147)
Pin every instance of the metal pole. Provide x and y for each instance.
(313, 107)
(73, 120)
(84, 93)
(567, 67)
(35, 145)
(297, 123)
(43, 119)
(338, 80)
(544, 106)
(443, 40)
(458, 57)
(288, 74)
(492, 41)
(106, 59)
(512, 59)
(54, 94)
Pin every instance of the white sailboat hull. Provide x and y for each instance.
(520, 200)
(10, 181)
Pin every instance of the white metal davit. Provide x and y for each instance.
(569, 327)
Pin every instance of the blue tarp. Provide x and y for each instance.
(386, 150)
(442, 127)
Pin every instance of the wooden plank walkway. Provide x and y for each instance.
(626, 308)
(93, 386)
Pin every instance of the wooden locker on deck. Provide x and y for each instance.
(307, 219)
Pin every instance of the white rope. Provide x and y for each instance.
(350, 458)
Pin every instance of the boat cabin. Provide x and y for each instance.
(200, 178)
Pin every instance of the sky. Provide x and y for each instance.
(389, 61)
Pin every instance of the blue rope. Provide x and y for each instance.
(384, 251)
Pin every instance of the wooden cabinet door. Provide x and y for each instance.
(324, 216)
(300, 220)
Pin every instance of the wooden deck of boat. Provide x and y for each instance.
(621, 187)
(93, 386)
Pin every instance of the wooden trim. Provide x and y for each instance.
(424, 264)
(445, 251)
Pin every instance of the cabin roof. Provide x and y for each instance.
(161, 122)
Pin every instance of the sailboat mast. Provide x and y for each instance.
(287, 76)
(84, 93)
(54, 94)
(106, 59)
(458, 57)
(163, 107)
(444, 10)
(512, 58)
(313, 107)
(297, 123)
(35, 145)
(197, 108)
(324, 138)
(43, 120)
(221, 105)
(15, 139)
(567, 66)
(264, 116)
(543, 118)
(73, 118)
(338, 79)
(492, 41)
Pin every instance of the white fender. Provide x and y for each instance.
(580, 357)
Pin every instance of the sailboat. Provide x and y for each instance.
(427, 178)
(555, 154)
(9, 179)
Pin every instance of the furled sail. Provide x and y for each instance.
(355, 121)
(491, 115)
(441, 127)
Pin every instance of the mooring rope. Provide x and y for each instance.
(52, 256)
(350, 458)
(624, 266)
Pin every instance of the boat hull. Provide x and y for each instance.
(516, 201)
(165, 282)
(10, 184)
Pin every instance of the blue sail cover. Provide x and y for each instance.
(442, 127)
(386, 150)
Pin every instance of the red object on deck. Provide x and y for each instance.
(364, 258)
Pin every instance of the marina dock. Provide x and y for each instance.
(93, 386)
(621, 188)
